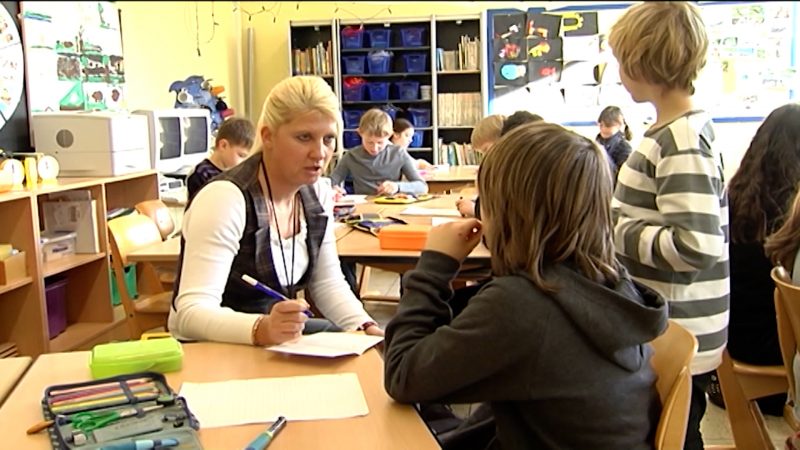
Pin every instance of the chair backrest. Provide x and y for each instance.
(158, 212)
(673, 352)
(129, 233)
(787, 311)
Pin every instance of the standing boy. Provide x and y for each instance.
(670, 208)
(234, 139)
(378, 165)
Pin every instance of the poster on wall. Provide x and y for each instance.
(73, 51)
(13, 108)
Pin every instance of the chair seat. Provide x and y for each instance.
(154, 304)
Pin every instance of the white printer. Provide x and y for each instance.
(93, 143)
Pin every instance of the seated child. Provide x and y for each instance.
(557, 341)
(614, 136)
(232, 146)
(402, 137)
(377, 166)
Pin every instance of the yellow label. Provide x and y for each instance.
(31, 174)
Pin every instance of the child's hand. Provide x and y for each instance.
(456, 239)
(423, 165)
(388, 188)
(466, 207)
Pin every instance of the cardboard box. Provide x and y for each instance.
(403, 237)
(13, 268)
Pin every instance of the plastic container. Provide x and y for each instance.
(420, 117)
(353, 93)
(351, 139)
(55, 293)
(391, 110)
(416, 141)
(412, 36)
(380, 38)
(415, 62)
(353, 65)
(403, 237)
(352, 117)
(379, 62)
(352, 37)
(130, 284)
(407, 90)
(147, 355)
(425, 92)
(378, 91)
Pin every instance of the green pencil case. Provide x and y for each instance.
(162, 355)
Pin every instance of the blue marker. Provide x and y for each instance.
(145, 444)
(262, 440)
(269, 291)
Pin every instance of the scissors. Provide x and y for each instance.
(92, 420)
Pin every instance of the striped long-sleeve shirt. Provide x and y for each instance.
(671, 228)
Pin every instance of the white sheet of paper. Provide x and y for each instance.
(351, 200)
(262, 400)
(419, 211)
(328, 344)
(440, 220)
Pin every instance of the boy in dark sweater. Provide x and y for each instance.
(234, 139)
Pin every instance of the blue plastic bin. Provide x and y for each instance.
(415, 62)
(407, 90)
(353, 65)
(420, 117)
(378, 91)
(416, 141)
(352, 37)
(391, 111)
(353, 93)
(351, 139)
(380, 38)
(379, 62)
(412, 36)
(352, 117)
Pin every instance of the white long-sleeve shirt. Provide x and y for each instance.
(212, 228)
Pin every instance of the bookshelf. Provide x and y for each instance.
(90, 316)
(312, 50)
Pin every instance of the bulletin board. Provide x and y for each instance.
(557, 63)
(73, 54)
(14, 135)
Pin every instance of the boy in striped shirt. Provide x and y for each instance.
(670, 207)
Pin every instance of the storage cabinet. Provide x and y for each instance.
(90, 316)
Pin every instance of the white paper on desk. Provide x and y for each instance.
(328, 344)
(351, 200)
(261, 400)
(419, 211)
(440, 220)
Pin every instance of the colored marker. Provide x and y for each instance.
(269, 291)
(262, 440)
(143, 444)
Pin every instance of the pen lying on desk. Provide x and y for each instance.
(269, 291)
(262, 440)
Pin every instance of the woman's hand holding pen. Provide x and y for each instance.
(456, 239)
(285, 322)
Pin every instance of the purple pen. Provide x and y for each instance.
(269, 291)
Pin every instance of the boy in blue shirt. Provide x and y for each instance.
(234, 139)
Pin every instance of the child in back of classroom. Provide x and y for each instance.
(670, 204)
(614, 136)
(234, 139)
(402, 137)
(557, 341)
(377, 166)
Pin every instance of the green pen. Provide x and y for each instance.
(262, 440)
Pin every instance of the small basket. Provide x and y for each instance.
(407, 90)
(380, 38)
(412, 36)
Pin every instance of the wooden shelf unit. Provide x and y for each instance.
(90, 315)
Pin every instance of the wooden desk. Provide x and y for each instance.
(11, 370)
(453, 179)
(389, 425)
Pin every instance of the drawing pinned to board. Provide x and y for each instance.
(579, 23)
(539, 48)
(510, 73)
(544, 71)
(509, 37)
(545, 26)
(12, 68)
(74, 56)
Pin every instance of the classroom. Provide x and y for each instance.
(399, 225)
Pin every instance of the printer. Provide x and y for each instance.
(93, 143)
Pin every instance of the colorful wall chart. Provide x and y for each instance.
(12, 67)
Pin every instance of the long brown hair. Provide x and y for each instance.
(781, 247)
(764, 185)
(546, 199)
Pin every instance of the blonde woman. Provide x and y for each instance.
(557, 341)
(270, 219)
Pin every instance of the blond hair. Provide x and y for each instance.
(293, 97)
(487, 131)
(662, 43)
(546, 199)
(376, 122)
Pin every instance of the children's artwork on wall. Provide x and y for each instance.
(581, 97)
(539, 48)
(579, 73)
(509, 37)
(544, 71)
(12, 67)
(581, 48)
(74, 56)
(579, 23)
(510, 73)
(545, 26)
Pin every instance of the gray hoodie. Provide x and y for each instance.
(564, 371)
(368, 171)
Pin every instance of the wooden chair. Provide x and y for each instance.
(673, 352)
(159, 213)
(151, 308)
(787, 309)
(742, 384)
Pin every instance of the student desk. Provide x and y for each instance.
(11, 370)
(389, 425)
(450, 179)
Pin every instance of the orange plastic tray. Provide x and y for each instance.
(403, 237)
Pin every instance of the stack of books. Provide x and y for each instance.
(316, 60)
(457, 154)
(466, 57)
(459, 109)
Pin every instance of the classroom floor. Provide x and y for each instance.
(715, 427)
